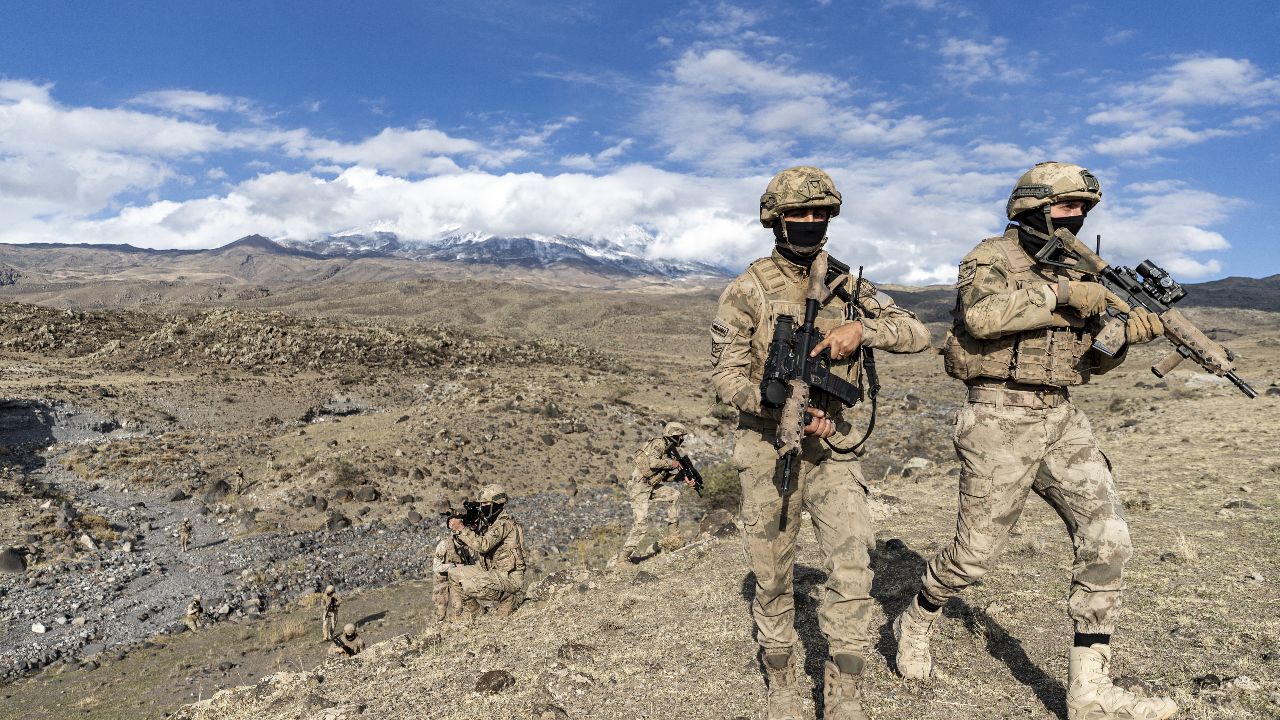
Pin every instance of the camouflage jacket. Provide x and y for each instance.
(329, 603)
(774, 286)
(652, 464)
(1006, 310)
(501, 547)
(446, 554)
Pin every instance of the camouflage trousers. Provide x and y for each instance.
(831, 487)
(446, 594)
(330, 626)
(1007, 451)
(642, 496)
(192, 622)
(474, 582)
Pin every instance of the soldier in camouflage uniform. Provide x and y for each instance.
(651, 482)
(192, 617)
(449, 554)
(349, 643)
(1022, 335)
(184, 534)
(500, 552)
(797, 205)
(329, 604)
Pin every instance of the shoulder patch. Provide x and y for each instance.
(722, 333)
(968, 270)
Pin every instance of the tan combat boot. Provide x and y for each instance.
(508, 604)
(784, 693)
(623, 555)
(842, 688)
(911, 629)
(1092, 696)
(672, 540)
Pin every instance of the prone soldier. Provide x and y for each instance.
(822, 474)
(1024, 332)
(500, 552)
(651, 480)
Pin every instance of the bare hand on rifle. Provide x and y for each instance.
(819, 424)
(843, 341)
(455, 524)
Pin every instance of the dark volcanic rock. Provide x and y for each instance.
(337, 521)
(11, 561)
(177, 495)
(719, 523)
(366, 493)
(495, 681)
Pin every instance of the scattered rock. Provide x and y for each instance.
(495, 681)
(177, 495)
(644, 577)
(914, 466)
(718, 523)
(548, 712)
(367, 493)
(87, 543)
(414, 517)
(894, 545)
(1272, 392)
(12, 561)
(337, 521)
(216, 490)
(1241, 505)
(38, 628)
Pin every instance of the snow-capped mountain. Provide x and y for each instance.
(621, 257)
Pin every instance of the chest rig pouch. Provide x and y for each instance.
(1055, 357)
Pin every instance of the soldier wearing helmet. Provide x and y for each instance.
(349, 643)
(329, 605)
(1022, 334)
(194, 612)
(797, 206)
(499, 551)
(655, 470)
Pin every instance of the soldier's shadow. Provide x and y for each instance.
(897, 578)
(898, 569)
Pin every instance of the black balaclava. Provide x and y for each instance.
(801, 241)
(1033, 230)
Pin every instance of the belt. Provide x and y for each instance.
(1037, 397)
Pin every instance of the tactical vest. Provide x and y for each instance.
(784, 296)
(510, 556)
(1057, 357)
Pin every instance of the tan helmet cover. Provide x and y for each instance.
(674, 429)
(328, 590)
(1052, 182)
(493, 493)
(795, 188)
(349, 629)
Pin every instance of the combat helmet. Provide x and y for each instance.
(798, 187)
(349, 629)
(1052, 182)
(329, 590)
(674, 429)
(493, 493)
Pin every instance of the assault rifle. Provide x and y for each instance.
(794, 381)
(687, 470)
(471, 516)
(341, 645)
(1149, 287)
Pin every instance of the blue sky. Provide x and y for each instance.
(653, 125)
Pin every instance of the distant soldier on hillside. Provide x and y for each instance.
(500, 552)
(194, 612)
(329, 604)
(348, 643)
(651, 481)
(184, 534)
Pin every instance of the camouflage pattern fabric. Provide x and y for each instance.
(477, 583)
(642, 495)
(832, 489)
(501, 556)
(445, 593)
(330, 606)
(829, 486)
(1005, 452)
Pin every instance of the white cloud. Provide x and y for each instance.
(966, 62)
(424, 150)
(1192, 101)
(191, 102)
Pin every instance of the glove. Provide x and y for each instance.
(1088, 298)
(1143, 326)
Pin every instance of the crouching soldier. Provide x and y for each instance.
(500, 551)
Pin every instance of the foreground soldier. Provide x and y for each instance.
(348, 643)
(445, 593)
(329, 603)
(1022, 335)
(498, 574)
(194, 611)
(651, 482)
(798, 204)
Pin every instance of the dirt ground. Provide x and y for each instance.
(395, 387)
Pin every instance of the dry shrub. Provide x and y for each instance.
(287, 631)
